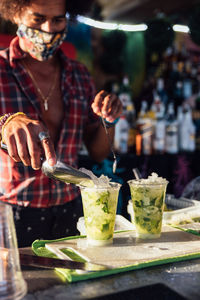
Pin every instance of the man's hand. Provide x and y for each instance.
(20, 135)
(107, 106)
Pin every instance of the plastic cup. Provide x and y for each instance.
(12, 284)
(148, 205)
(99, 208)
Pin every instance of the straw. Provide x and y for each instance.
(137, 173)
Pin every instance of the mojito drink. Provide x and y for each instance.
(99, 207)
(148, 197)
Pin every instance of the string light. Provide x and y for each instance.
(124, 27)
(181, 28)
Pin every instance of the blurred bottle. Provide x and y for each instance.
(144, 131)
(159, 130)
(171, 140)
(179, 120)
(187, 131)
(162, 93)
(178, 94)
(121, 135)
(125, 96)
(187, 88)
(131, 118)
(115, 88)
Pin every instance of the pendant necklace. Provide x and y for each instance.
(48, 96)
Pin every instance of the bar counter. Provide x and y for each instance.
(170, 281)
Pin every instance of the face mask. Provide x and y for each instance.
(40, 44)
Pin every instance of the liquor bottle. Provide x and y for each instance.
(179, 120)
(121, 135)
(161, 91)
(159, 131)
(145, 130)
(131, 118)
(125, 96)
(115, 88)
(171, 140)
(187, 88)
(187, 131)
(178, 94)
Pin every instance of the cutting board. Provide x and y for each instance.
(127, 250)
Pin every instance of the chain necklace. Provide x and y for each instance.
(48, 96)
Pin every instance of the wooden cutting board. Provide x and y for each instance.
(127, 250)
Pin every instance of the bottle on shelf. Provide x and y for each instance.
(125, 96)
(115, 88)
(121, 135)
(187, 88)
(144, 131)
(159, 131)
(180, 121)
(187, 131)
(161, 90)
(171, 140)
(178, 94)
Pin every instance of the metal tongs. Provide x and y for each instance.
(66, 173)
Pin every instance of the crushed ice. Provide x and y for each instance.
(102, 181)
(153, 178)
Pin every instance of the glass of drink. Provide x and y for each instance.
(148, 197)
(12, 283)
(99, 207)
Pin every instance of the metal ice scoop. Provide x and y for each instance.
(66, 174)
(63, 172)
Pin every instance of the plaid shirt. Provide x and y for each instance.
(22, 185)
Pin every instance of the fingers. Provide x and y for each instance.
(12, 149)
(98, 102)
(23, 144)
(35, 152)
(112, 107)
(107, 105)
(49, 151)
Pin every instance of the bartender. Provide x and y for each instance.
(48, 108)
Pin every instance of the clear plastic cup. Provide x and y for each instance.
(12, 284)
(148, 205)
(99, 208)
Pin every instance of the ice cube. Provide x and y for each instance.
(102, 181)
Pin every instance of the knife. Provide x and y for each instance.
(51, 263)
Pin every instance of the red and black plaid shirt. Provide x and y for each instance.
(22, 185)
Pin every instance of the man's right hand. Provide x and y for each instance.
(20, 135)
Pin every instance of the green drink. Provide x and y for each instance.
(99, 207)
(148, 197)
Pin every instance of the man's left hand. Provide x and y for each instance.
(107, 106)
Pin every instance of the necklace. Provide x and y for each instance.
(48, 96)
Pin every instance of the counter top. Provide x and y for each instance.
(182, 277)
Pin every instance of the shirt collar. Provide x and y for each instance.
(15, 51)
